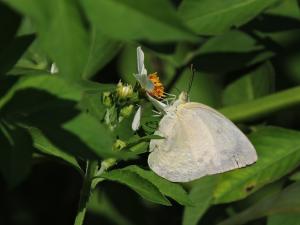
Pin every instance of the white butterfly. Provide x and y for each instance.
(198, 140)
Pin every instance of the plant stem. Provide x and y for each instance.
(91, 169)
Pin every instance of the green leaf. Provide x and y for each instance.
(94, 134)
(172, 190)
(263, 106)
(230, 51)
(91, 102)
(286, 219)
(205, 87)
(278, 154)
(102, 50)
(202, 195)
(100, 204)
(61, 32)
(43, 144)
(15, 154)
(136, 20)
(286, 201)
(257, 83)
(139, 184)
(215, 17)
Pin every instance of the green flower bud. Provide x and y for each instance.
(126, 111)
(124, 90)
(119, 145)
(107, 99)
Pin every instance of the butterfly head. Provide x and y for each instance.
(183, 97)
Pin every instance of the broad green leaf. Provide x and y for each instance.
(41, 142)
(100, 204)
(263, 106)
(15, 154)
(139, 184)
(257, 83)
(172, 190)
(230, 51)
(202, 196)
(102, 49)
(286, 219)
(91, 132)
(278, 154)
(215, 17)
(61, 32)
(154, 20)
(286, 201)
(205, 87)
(91, 102)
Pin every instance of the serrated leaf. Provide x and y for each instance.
(139, 184)
(172, 190)
(137, 20)
(214, 17)
(278, 154)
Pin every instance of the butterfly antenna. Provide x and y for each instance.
(191, 80)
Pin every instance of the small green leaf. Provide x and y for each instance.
(136, 20)
(278, 154)
(172, 190)
(214, 17)
(139, 184)
(257, 83)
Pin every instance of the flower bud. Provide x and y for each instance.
(119, 145)
(107, 99)
(124, 90)
(126, 111)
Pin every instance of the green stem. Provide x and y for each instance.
(85, 191)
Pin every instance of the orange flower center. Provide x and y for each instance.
(158, 90)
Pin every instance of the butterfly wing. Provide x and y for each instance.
(198, 141)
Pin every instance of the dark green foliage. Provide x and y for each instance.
(247, 62)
